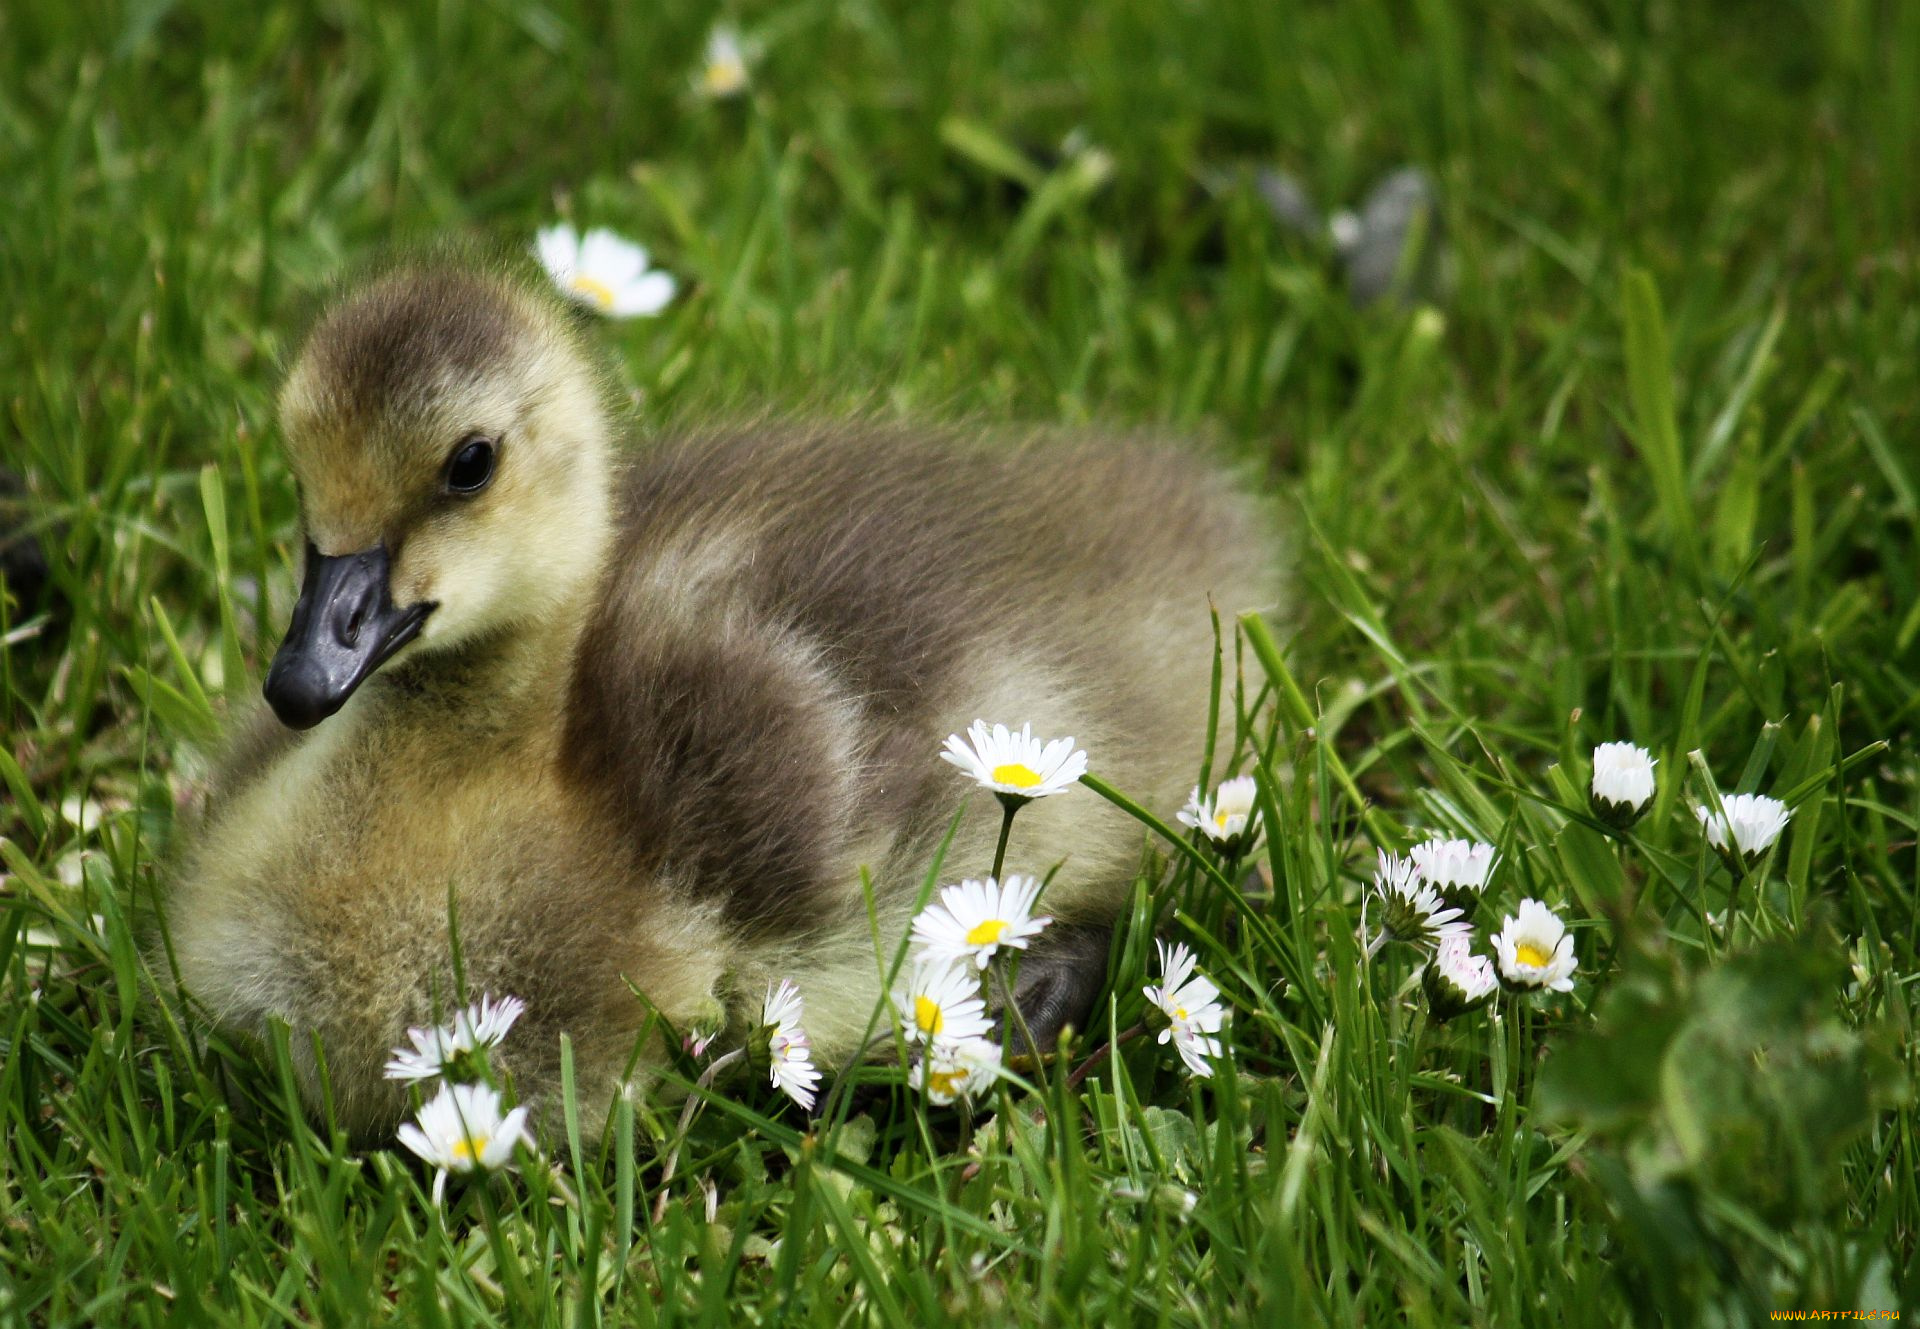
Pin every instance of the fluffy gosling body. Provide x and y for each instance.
(643, 717)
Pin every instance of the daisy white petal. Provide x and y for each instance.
(1748, 824)
(486, 1023)
(975, 919)
(613, 259)
(957, 1068)
(558, 248)
(789, 1053)
(938, 1000)
(645, 296)
(1456, 869)
(1230, 818)
(603, 271)
(1411, 910)
(1535, 949)
(429, 1056)
(1457, 980)
(1190, 1004)
(1622, 783)
(462, 1129)
(724, 68)
(435, 1050)
(1016, 765)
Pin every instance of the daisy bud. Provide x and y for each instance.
(1745, 829)
(1622, 784)
(1457, 980)
(1231, 818)
(1411, 911)
(1457, 870)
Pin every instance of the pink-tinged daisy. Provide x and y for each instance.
(1191, 1006)
(789, 1054)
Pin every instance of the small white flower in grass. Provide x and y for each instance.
(1016, 766)
(1231, 818)
(1748, 828)
(486, 1023)
(1456, 869)
(435, 1050)
(1535, 949)
(723, 68)
(1457, 980)
(789, 1054)
(602, 271)
(976, 918)
(461, 1128)
(957, 1068)
(1622, 783)
(1411, 910)
(1191, 1005)
(938, 1000)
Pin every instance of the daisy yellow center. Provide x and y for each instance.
(1013, 773)
(927, 1014)
(468, 1149)
(1179, 1012)
(987, 933)
(945, 1082)
(725, 76)
(1528, 953)
(595, 290)
(1220, 819)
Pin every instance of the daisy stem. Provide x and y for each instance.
(1013, 1008)
(1102, 1052)
(1006, 829)
(687, 1110)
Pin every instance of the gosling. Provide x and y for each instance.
(621, 722)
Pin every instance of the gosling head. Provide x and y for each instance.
(450, 443)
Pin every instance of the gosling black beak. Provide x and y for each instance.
(344, 627)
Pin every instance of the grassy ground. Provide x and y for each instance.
(1644, 470)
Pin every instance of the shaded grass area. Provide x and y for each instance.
(1644, 468)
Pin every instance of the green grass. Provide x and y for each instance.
(1650, 474)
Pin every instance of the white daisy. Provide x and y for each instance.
(602, 271)
(723, 69)
(461, 1128)
(1017, 766)
(1457, 980)
(956, 1068)
(1622, 783)
(976, 918)
(481, 1025)
(1228, 816)
(1755, 822)
(1535, 949)
(1411, 910)
(789, 1054)
(1456, 869)
(940, 1001)
(1191, 1004)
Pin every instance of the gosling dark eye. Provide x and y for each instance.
(470, 468)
